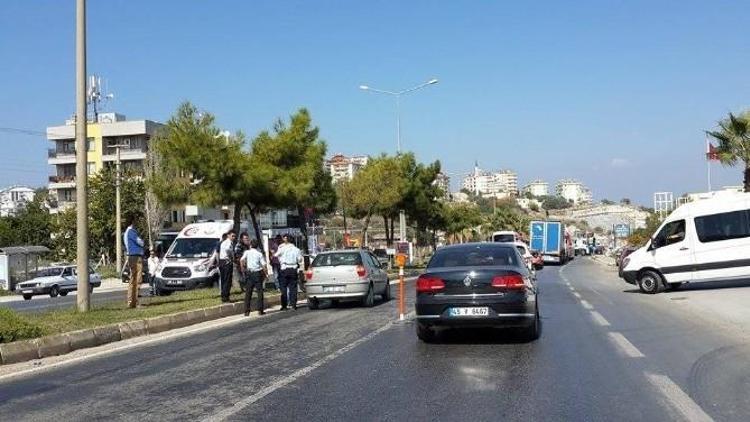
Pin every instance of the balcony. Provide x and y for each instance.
(62, 182)
(126, 154)
(60, 156)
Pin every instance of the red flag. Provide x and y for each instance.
(712, 153)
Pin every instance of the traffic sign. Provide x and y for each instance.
(622, 230)
(401, 260)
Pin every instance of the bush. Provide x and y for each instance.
(13, 327)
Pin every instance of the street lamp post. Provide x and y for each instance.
(118, 212)
(397, 95)
(82, 223)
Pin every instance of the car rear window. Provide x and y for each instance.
(336, 259)
(474, 256)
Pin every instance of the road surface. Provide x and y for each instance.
(606, 352)
(45, 303)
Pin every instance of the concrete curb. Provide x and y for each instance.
(60, 344)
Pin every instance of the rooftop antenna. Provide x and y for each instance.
(94, 95)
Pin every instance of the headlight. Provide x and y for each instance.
(200, 267)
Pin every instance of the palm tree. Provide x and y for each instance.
(734, 142)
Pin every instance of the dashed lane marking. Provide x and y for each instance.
(599, 319)
(586, 305)
(577, 295)
(677, 398)
(625, 346)
(243, 404)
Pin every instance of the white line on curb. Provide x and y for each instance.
(677, 398)
(586, 305)
(242, 404)
(599, 319)
(625, 346)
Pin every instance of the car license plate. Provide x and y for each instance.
(27, 291)
(174, 283)
(473, 311)
(334, 289)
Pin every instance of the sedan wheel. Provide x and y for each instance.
(535, 330)
(650, 282)
(27, 297)
(425, 333)
(54, 291)
(313, 303)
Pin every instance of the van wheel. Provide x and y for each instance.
(313, 303)
(54, 291)
(674, 286)
(650, 282)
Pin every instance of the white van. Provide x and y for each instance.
(705, 240)
(186, 264)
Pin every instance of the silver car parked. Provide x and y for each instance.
(346, 274)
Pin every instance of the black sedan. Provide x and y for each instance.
(476, 285)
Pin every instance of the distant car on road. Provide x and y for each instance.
(382, 255)
(346, 274)
(476, 285)
(55, 281)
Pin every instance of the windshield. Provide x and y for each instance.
(473, 256)
(380, 253)
(336, 259)
(193, 248)
(504, 238)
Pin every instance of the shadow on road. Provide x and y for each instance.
(711, 285)
(481, 336)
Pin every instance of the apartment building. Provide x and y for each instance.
(14, 199)
(342, 167)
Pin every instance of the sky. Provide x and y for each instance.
(616, 94)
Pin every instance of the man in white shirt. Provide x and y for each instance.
(253, 267)
(226, 265)
(290, 259)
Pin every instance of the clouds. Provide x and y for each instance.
(620, 163)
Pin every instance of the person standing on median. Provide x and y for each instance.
(134, 250)
(153, 264)
(253, 265)
(226, 265)
(239, 250)
(290, 259)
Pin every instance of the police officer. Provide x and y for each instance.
(226, 264)
(290, 259)
(253, 265)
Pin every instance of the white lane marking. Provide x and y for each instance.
(577, 295)
(599, 319)
(242, 404)
(625, 346)
(586, 305)
(572, 289)
(135, 342)
(677, 398)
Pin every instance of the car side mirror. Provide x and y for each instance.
(654, 244)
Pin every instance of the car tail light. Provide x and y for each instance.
(361, 271)
(309, 275)
(508, 282)
(427, 284)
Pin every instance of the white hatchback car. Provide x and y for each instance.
(346, 274)
(54, 281)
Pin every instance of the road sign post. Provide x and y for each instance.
(401, 262)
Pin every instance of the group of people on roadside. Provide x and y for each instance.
(247, 257)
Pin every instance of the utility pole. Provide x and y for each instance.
(82, 227)
(118, 212)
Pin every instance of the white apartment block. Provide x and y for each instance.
(109, 129)
(537, 188)
(443, 181)
(573, 191)
(342, 167)
(14, 199)
(502, 183)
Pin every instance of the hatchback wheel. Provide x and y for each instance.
(369, 300)
(54, 291)
(387, 291)
(425, 333)
(650, 282)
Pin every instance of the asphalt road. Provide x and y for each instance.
(606, 353)
(45, 303)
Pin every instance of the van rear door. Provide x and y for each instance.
(674, 255)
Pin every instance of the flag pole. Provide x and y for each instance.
(708, 163)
